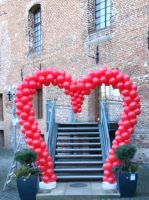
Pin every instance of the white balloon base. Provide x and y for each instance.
(109, 186)
(47, 186)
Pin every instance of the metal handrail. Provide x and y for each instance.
(104, 132)
(51, 127)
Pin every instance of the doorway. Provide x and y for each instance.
(1, 138)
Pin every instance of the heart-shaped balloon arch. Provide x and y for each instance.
(77, 90)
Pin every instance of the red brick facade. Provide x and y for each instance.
(69, 42)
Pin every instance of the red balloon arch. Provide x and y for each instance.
(77, 90)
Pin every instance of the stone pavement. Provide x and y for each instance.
(88, 189)
(12, 194)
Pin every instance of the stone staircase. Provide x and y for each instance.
(78, 155)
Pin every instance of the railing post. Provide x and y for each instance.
(104, 132)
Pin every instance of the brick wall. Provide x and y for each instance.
(68, 42)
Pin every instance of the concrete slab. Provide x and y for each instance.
(79, 190)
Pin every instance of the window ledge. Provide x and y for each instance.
(34, 54)
(99, 36)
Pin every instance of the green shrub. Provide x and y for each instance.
(26, 157)
(125, 154)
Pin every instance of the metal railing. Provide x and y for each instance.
(51, 127)
(104, 131)
(56, 114)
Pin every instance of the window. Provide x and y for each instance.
(35, 29)
(1, 107)
(102, 14)
(38, 104)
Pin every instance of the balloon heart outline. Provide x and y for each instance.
(77, 90)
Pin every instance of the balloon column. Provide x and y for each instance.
(77, 90)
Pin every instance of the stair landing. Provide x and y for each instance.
(77, 190)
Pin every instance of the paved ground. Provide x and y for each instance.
(11, 192)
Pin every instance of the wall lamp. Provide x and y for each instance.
(96, 57)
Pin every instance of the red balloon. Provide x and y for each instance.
(125, 92)
(19, 93)
(103, 79)
(133, 122)
(126, 109)
(112, 81)
(131, 115)
(50, 78)
(127, 100)
(19, 105)
(45, 179)
(32, 84)
(128, 85)
(27, 125)
(133, 93)
(88, 86)
(25, 100)
(111, 180)
(36, 143)
(37, 136)
(66, 85)
(120, 85)
(39, 152)
(137, 99)
(53, 178)
(112, 158)
(43, 145)
(126, 77)
(107, 166)
(49, 172)
(26, 91)
(120, 78)
(50, 164)
(125, 135)
(137, 111)
(31, 119)
(29, 134)
(118, 139)
(21, 121)
(24, 115)
(73, 88)
(60, 79)
(29, 141)
(133, 105)
(127, 124)
(96, 81)
(107, 173)
(44, 72)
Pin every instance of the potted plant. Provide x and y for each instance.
(27, 174)
(126, 172)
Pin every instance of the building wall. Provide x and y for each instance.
(69, 42)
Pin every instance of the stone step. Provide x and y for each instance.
(67, 150)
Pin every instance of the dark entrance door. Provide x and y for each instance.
(1, 138)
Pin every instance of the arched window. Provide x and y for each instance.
(35, 35)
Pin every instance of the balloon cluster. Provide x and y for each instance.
(76, 90)
(30, 129)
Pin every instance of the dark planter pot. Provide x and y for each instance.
(127, 184)
(28, 188)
